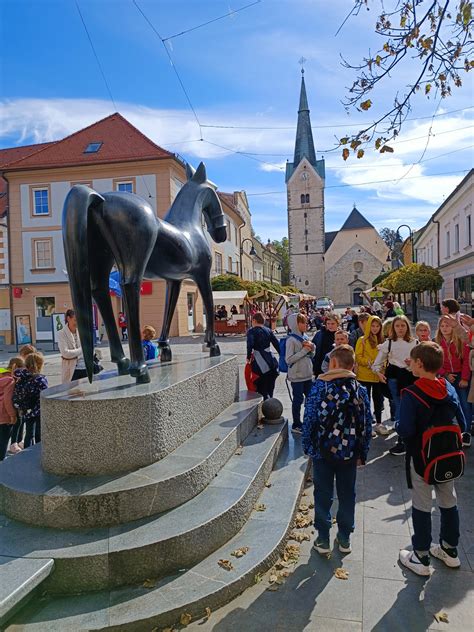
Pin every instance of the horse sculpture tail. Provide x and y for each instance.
(79, 201)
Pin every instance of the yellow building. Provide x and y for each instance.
(108, 155)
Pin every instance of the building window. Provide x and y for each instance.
(305, 231)
(306, 247)
(229, 264)
(42, 253)
(125, 187)
(448, 244)
(92, 148)
(302, 198)
(229, 231)
(87, 183)
(307, 198)
(305, 215)
(218, 263)
(40, 201)
(468, 231)
(456, 238)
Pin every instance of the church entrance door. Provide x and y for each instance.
(356, 297)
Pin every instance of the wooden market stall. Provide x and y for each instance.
(231, 323)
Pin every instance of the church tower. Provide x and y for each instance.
(305, 191)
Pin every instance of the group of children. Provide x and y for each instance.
(21, 384)
(426, 383)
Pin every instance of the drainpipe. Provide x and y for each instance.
(10, 289)
(435, 221)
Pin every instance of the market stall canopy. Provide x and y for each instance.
(376, 288)
(229, 297)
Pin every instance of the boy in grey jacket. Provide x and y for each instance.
(299, 358)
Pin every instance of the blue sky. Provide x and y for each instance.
(240, 71)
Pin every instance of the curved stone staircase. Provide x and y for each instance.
(135, 551)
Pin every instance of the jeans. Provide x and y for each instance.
(373, 388)
(324, 473)
(421, 512)
(33, 427)
(392, 384)
(5, 432)
(300, 392)
(18, 429)
(465, 405)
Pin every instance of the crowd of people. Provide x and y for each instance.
(341, 376)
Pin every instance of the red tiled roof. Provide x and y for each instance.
(16, 153)
(121, 141)
(228, 198)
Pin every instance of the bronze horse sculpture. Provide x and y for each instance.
(122, 228)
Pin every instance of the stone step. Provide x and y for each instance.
(30, 495)
(206, 585)
(20, 579)
(93, 559)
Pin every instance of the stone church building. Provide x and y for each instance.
(338, 264)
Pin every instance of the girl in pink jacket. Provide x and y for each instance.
(7, 410)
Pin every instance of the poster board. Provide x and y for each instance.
(23, 330)
(59, 322)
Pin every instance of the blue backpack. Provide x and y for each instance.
(342, 420)
(282, 364)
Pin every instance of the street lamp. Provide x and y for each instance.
(271, 271)
(414, 311)
(252, 252)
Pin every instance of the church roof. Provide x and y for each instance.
(329, 238)
(356, 220)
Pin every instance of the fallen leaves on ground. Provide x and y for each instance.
(260, 507)
(304, 508)
(164, 630)
(302, 521)
(239, 450)
(299, 536)
(149, 583)
(240, 552)
(268, 484)
(341, 573)
(226, 564)
(208, 614)
(281, 564)
(217, 438)
(441, 617)
(258, 578)
(185, 618)
(291, 553)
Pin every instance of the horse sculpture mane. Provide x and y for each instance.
(100, 230)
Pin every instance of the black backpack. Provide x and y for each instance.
(440, 452)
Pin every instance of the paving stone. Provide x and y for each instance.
(381, 557)
(386, 515)
(457, 602)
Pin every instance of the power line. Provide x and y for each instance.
(243, 153)
(96, 56)
(194, 28)
(359, 184)
(172, 65)
(342, 125)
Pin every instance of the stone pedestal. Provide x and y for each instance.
(114, 425)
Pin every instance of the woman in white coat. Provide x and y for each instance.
(73, 366)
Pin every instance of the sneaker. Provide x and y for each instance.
(297, 428)
(382, 430)
(466, 439)
(448, 556)
(14, 448)
(398, 449)
(21, 445)
(322, 546)
(419, 565)
(344, 545)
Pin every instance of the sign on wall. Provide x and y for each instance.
(5, 319)
(23, 330)
(59, 322)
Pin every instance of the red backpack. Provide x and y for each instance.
(442, 456)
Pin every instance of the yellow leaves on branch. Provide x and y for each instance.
(365, 105)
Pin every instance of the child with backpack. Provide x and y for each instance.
(7, 410)
(366, 352)
(149, 349)
(337, 431)
(341, 337)
(395, 351)
(324, 341)
(299, 353)
(431, 423)
(26, 396)
(456, 366)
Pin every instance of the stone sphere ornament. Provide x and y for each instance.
(272, 410)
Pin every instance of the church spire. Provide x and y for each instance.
(304, 145)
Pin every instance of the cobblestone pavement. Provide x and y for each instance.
(378, 594)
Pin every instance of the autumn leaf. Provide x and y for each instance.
(299, 536)
(344, 140)
(427, 88)
(240, 552)
(360, 153)
(260, 507)
(304, 508)
(239, 451)
(441, 617)
(268, 484)
(208, 614)
(385, 149)
(378, 59)
(258, 578)
(217, 438)
(365, 105)
(302, 521)
(226, 564)
(341, 573)
(185, 618)
(149, 583)
(345, 153)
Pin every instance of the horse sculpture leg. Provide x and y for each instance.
(100, 266)
(204, 286)
(172, 294)
(131, 294)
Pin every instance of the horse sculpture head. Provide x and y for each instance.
(210, 203)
